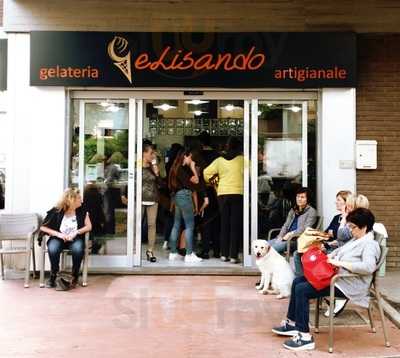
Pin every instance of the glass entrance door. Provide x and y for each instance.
(282, 160)
(101, 166)
(203, 125)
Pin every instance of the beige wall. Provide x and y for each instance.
(203, 15)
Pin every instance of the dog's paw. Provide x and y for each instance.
(264, 292)
(272, 292)
(259, 287)
(279, 297)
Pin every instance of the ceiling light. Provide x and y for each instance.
(269, 104)
(105, 103)
(112, 108)
(198, 113)
(196, 101)
(229, 107)
(294, 109)
(165, 107)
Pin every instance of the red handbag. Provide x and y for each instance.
(317, 270)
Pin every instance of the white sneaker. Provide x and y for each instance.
(340, 303)
(173, 257)
(192, 258)
(165, 245)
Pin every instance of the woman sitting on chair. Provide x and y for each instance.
(66, 224)
(360, 256)
(299, 218)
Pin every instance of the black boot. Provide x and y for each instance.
(51, 282)
(75, 281)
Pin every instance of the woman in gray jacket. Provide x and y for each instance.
(299, 218)
(360, 256)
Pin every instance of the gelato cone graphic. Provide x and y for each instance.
(115, 49)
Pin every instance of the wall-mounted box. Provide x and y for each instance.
(366, 154)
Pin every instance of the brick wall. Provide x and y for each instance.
(378, 117)
(203, 15)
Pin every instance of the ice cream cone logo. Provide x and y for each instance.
(115, 49)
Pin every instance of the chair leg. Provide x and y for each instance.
(317, 308)
(42, 264)
(371, 322)
(288, 250)
(379, 301)
(85, 261)
(27, 267)
(85, 270)
(63, 261)
(331, 310)
(34, 261)
(2, 266)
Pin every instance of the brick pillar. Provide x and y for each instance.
(378, 117)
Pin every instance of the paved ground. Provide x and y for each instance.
(160, 316)
(390, 286)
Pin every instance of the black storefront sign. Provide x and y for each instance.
(195, 60)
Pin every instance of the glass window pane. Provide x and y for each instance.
(280, 161)
(105, 171)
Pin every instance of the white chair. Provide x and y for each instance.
(18, 227)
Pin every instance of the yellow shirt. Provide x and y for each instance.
(230, 174)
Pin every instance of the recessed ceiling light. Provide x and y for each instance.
(196, 101)
(198, 113)
(165, 107)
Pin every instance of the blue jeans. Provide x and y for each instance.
(298, 266)
(299, 306)
(55, 246)
(280, 246)
(183, 209)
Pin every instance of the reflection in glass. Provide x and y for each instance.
(105, 171)
(280, 160)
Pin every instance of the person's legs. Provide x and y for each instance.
(292, 303)
(173, 238)
(54, 249)
(215, 229)
(224, 209)
(151, 225)
(279, 245)
(186, 204)
(236, 224)
(298, 266)
(77, 248)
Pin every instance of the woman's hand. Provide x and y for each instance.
(72, 235)
(156, 170)
(205, 204)
(334, 262)
(61, 236)
(287, 236)
(194, 179)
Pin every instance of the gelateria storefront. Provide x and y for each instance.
(288, 97)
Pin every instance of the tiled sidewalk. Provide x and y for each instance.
(161, 316)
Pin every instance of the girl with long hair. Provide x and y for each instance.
(183, 179)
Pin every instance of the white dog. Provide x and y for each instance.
(275, 270)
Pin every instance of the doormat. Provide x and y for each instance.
(348, 317)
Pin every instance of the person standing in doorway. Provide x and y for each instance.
(150, 182)
(228, 171)
(210, 221)
(183, 180)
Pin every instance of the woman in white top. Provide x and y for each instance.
(66, 225)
